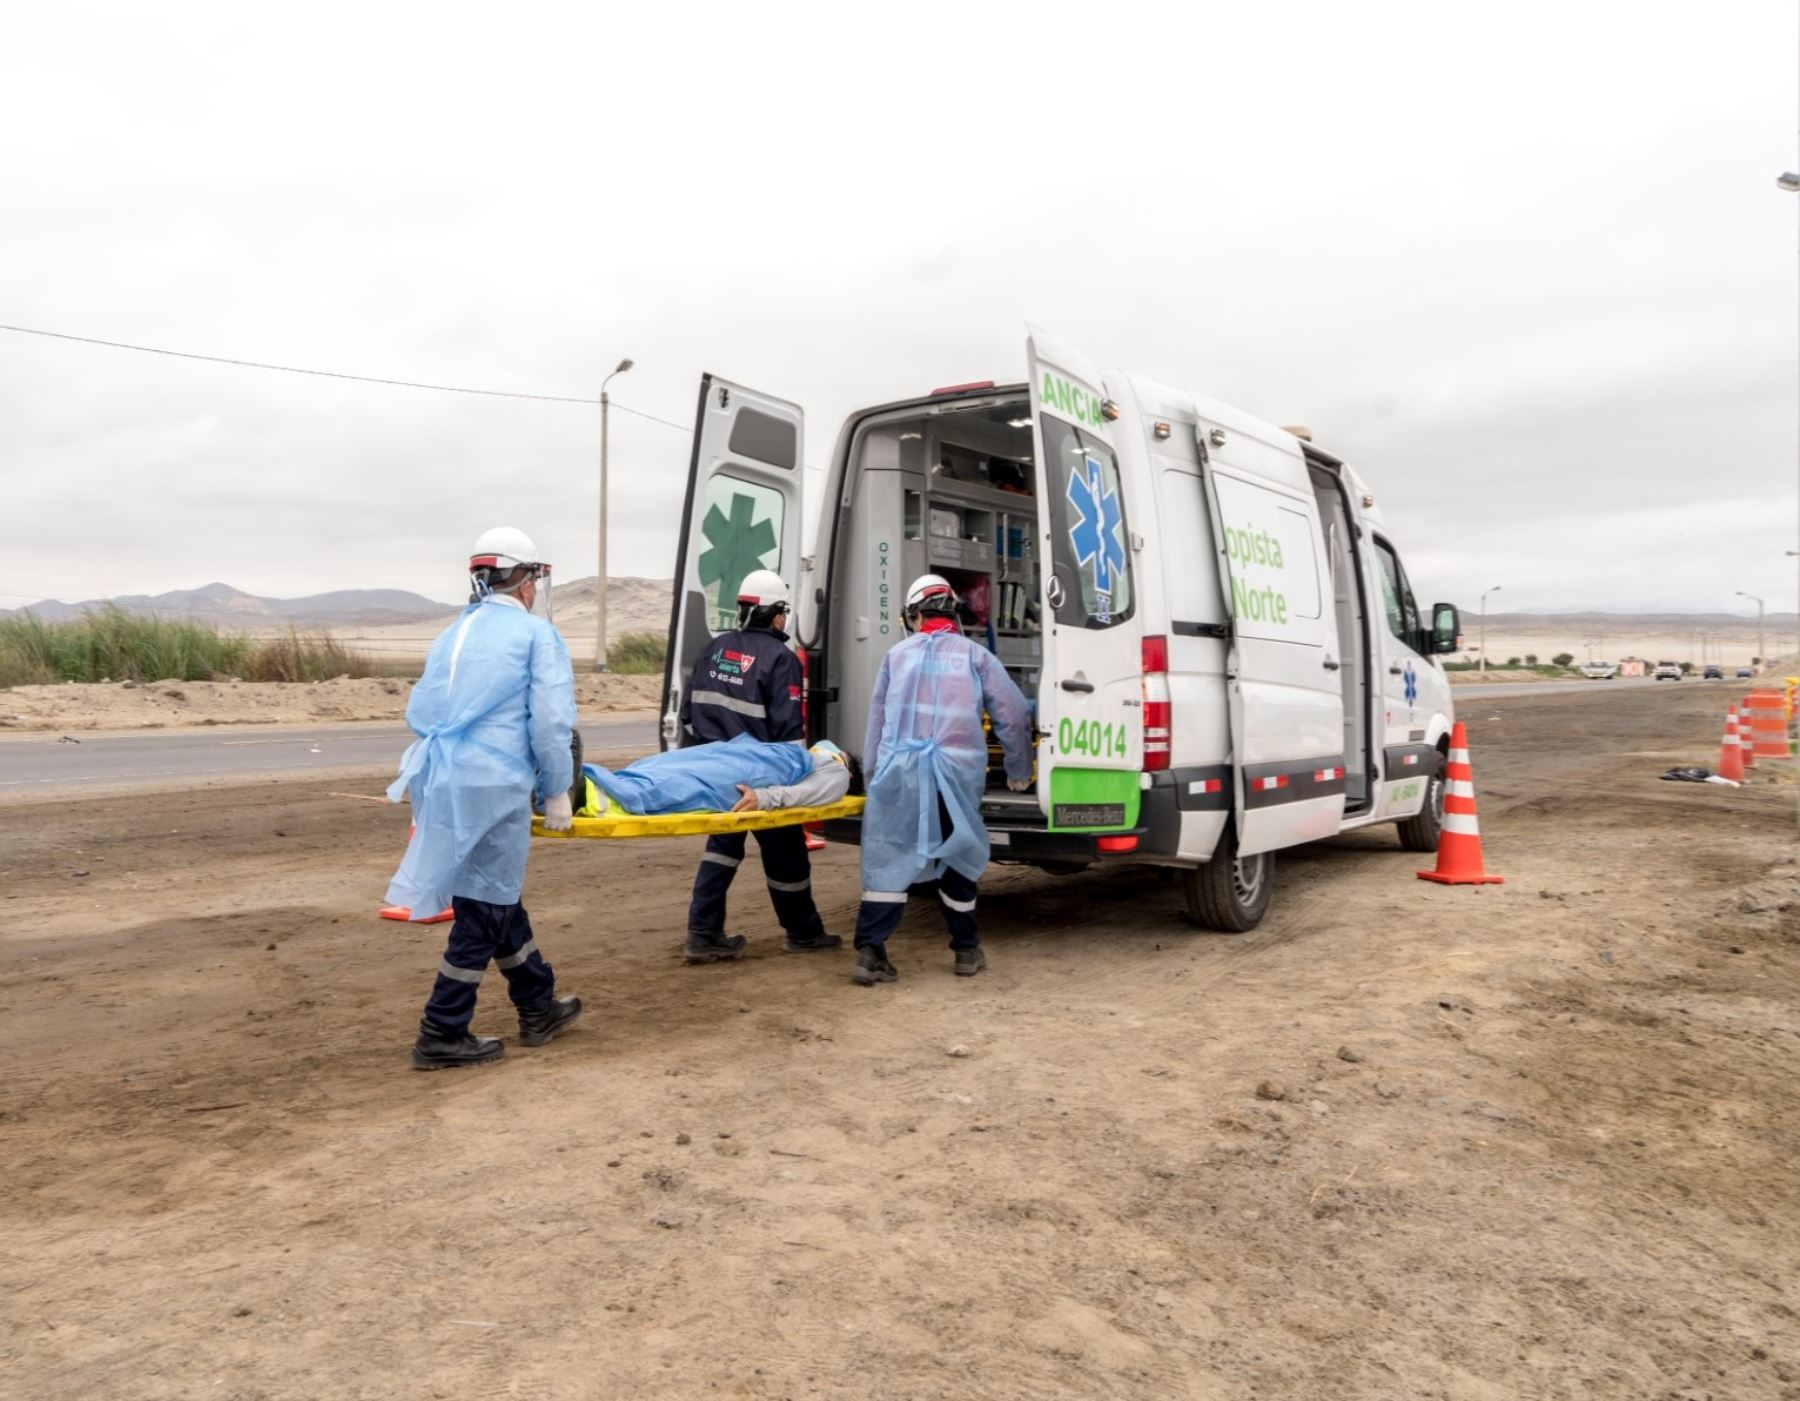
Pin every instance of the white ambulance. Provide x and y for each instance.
(1216, 631)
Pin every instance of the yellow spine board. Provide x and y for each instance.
(613, 826)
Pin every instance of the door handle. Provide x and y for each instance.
(1086, 687)
(1396, 670)
(1331, 665)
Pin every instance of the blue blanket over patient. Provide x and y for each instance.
(702, 777)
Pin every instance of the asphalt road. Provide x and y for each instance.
(46, 763)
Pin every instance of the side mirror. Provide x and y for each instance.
(1446, 629)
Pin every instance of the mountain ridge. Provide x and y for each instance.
(223, 605)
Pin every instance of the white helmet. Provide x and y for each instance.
(503, 548)
(931, 593)
(763, 588)
(503, 562)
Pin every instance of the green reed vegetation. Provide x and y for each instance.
(637, 654)
(113, 645)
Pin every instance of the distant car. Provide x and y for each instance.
(1745, 673)
(1712, 672)
(1668, 671)
(1600, 671)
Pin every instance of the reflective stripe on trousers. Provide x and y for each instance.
(484, 933)
(786, 868)
(882, 910)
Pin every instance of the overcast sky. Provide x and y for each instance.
(1526, 266)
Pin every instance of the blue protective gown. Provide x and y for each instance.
(703, 777)
(493, 714)
(925, 743)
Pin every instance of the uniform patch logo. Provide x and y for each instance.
(730, 667)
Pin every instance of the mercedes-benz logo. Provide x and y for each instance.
(1055, 592)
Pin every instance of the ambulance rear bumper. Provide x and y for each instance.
(1018, 834)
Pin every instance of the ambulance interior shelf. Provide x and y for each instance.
(986, 555)
(969, 512)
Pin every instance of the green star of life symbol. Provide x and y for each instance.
(738, 545)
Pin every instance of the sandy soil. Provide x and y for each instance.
(176, 704)
(1534, 1140)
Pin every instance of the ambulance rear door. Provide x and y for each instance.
(1283, 694)
(1090, 713)
(742, 513)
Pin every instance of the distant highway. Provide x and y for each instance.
(44, 763)
(1490, 689)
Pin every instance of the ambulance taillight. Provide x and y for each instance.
(1156, 704)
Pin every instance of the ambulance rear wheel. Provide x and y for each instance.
(1420, 832)
(1230, 892)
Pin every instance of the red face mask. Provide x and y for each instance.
(937, 622)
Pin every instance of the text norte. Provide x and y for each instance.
(1248, 547)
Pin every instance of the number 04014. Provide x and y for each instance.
(1092, 737)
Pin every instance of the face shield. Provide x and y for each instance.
(531, 588)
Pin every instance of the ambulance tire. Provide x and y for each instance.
(1227, 894)
(1420, 831)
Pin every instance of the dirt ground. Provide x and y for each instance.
(1533, 1140)
(165, 705)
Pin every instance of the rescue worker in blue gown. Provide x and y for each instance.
(748, 682)
(925, 761)
(493, 713)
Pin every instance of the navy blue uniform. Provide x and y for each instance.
(748, 683)
(484, 932)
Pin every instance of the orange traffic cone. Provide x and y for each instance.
(401, 912)
(1459, 842)
(1746, 746)
(1731, 754)
(1767, 724)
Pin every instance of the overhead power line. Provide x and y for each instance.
(338, 374)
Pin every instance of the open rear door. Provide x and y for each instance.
(1090, 711)
(742, 513)
(1286, 706)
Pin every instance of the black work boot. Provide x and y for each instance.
(873, 966)
(813, 942)
(436, 1051)
(536, 1028)
(703, 947)
(969, 962)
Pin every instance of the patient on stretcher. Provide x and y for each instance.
(742, 775)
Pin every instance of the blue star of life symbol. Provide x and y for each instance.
(1412, 685)
(1098, 534)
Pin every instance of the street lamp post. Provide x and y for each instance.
(600, 577)
(1762, 657)
(1495, 589)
